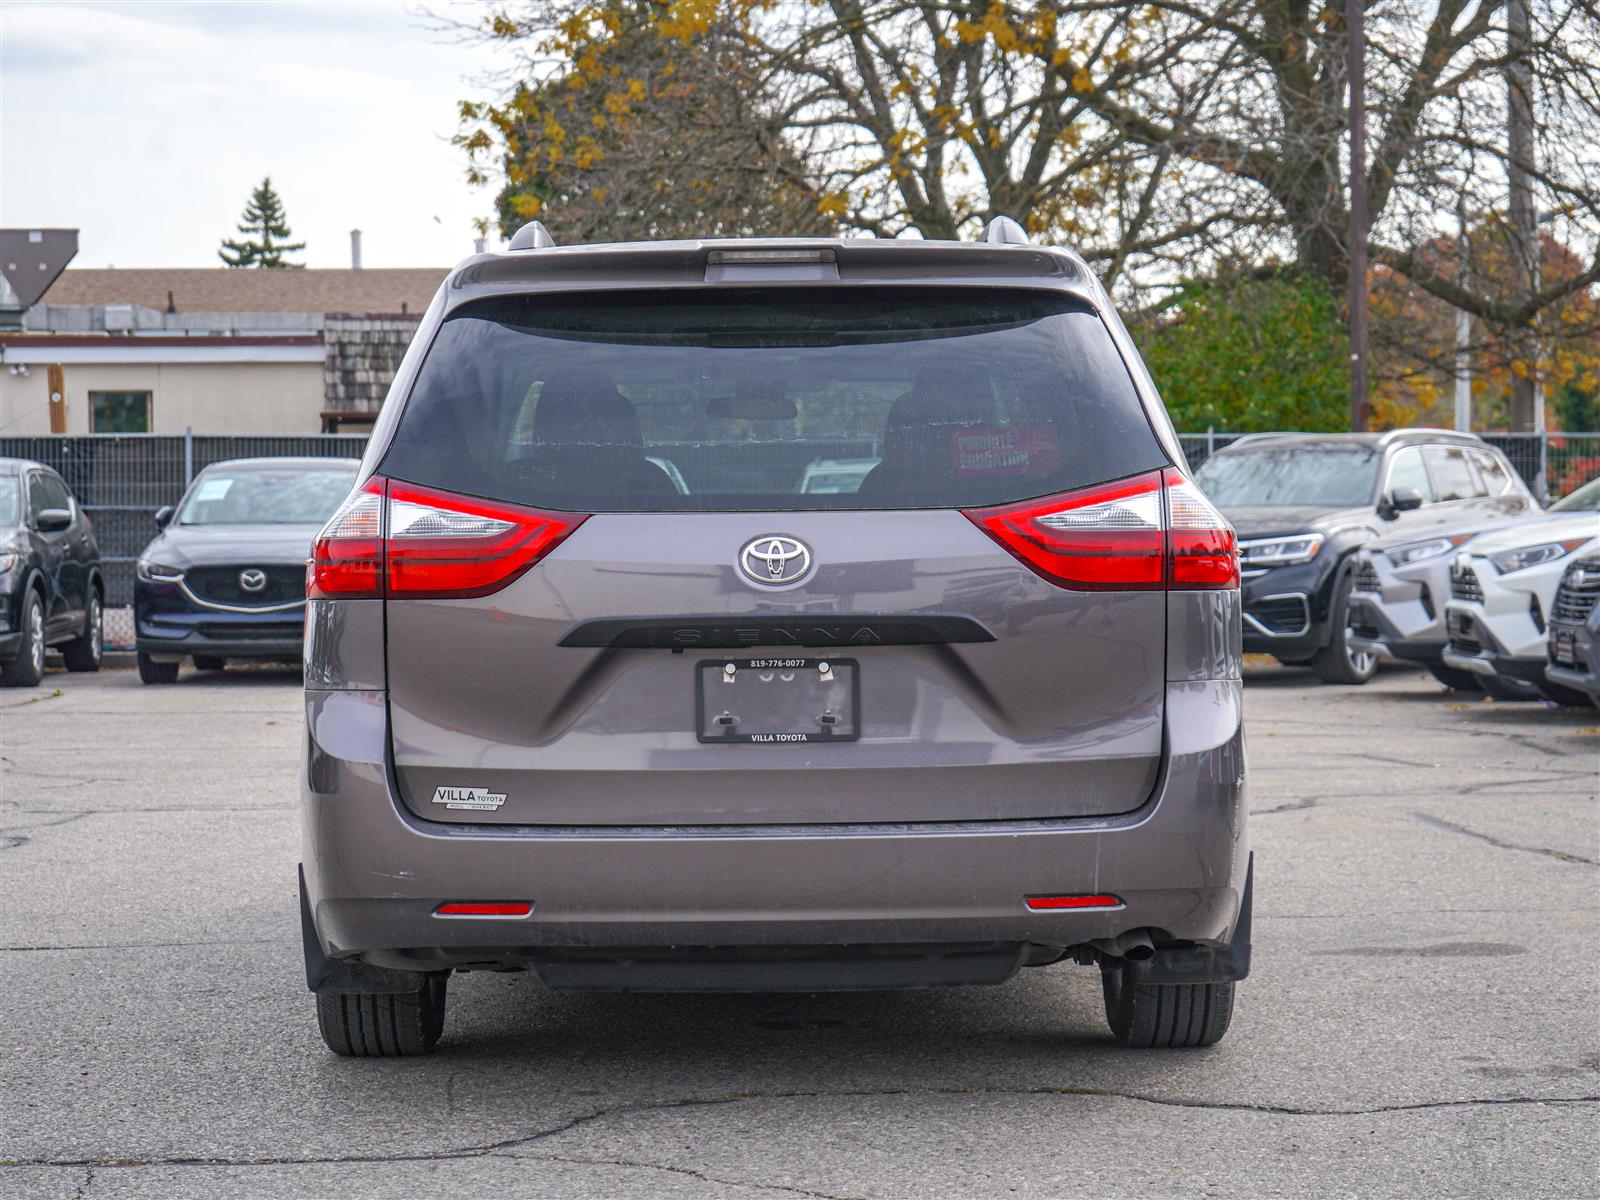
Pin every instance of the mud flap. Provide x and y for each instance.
(347, 975)
(1202, 964)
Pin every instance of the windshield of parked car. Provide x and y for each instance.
(785, 398)
(1585, 499)
(266, 495)
(1291, 477)
(10, 499)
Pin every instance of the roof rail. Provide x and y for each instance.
(1004, 231)
(532, 236)
(1426, 431)
(1256, 437)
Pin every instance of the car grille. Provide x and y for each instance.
(1366, 577)
(220, 585)
(256, 631)
(1580, 588)
(1464, 585)
(1463, 635)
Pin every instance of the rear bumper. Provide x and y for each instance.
(375, 873)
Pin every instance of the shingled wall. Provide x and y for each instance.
(363, 352)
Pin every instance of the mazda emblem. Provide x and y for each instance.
(773, 559)
(252, 579)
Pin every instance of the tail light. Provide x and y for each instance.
(410, 542)
(1148, 533)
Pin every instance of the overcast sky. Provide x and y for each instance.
(145, 126)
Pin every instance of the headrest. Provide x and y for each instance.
(577, 409)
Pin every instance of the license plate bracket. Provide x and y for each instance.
(777, 701)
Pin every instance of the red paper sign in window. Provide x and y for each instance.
(1014, 450)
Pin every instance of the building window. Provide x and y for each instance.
(119, 412)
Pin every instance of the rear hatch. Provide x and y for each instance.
(721, 557)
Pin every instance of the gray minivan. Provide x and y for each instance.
(642, 729)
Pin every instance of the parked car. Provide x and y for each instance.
(1402, 584)
(1574, 642)
(565, 718)
(52, 595)
(225, 579)
(1304, 503)
(1502, 588)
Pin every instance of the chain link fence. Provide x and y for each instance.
(122, 480)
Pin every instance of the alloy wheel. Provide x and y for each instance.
(36, 638)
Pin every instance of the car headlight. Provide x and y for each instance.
(1417, 551)
(1281, 552)
(7, 561)
(154, 572)
(1520, 559)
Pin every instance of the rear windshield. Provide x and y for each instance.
(266, 495)
(1315, 477)
(777, 399)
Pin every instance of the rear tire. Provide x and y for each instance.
(1337, 662)
(393, 1026)
(1165, 1016)
(151, 671)
(209, 662)
(84, 653)
(1455, 678)
(27, 668)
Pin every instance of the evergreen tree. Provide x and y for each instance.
(266, 233)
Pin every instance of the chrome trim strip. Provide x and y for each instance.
(1305, 607)
(183, 583)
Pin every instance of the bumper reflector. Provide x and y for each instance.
(1045, 903)
(480, 908)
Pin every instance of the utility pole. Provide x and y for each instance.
(1354, 19)
(1524, 220)
(1463, 362)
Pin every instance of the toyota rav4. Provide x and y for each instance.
(598, 687)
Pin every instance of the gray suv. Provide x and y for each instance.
(596, 688)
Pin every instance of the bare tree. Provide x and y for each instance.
(1170, 138)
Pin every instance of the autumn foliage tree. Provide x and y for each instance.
(1168, 141)
(645, 128)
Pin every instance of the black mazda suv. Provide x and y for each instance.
(226, 576)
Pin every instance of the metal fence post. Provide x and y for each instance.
(188, 456)
(1211, 440)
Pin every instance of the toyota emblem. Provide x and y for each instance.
(773, 559)
(252, 579)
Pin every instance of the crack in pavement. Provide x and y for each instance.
(173, 808)
(1559, 855)
(12, 836)
(636, 1164)
(1292, 806)
(506, 1147)
(146, 945)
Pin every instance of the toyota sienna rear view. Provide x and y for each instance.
(602, 685)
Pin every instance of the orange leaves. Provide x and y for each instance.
(833, 204)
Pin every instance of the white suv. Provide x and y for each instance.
(1502, 586)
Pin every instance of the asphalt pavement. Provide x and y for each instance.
(1422, 1019)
